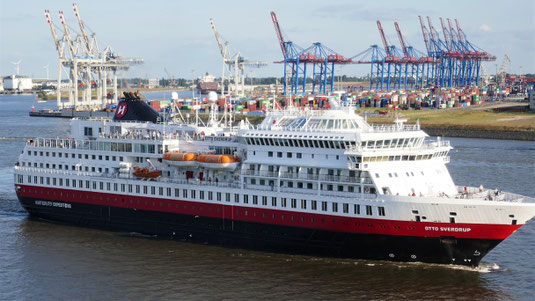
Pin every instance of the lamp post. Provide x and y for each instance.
(496, 77)
(192, 86)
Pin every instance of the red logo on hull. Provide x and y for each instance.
(121, 110)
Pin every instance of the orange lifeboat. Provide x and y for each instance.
(146, 173)
(180, 159)
(224, 162)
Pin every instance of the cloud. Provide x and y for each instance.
(485, 28)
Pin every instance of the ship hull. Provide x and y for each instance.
(263, 236)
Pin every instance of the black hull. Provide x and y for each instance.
(268, 237)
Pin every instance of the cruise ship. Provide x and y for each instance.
(314, 182)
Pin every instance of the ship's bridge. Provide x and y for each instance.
(338, 120)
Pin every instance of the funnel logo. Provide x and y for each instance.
(121, 110)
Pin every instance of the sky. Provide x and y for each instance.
(176, 35)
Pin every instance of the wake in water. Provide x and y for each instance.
(484, 267)
(11, 207)
(137, 234)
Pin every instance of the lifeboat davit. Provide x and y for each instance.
(181, 159)
(146, 173)
(222, 162)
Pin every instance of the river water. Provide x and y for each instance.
(46, 261)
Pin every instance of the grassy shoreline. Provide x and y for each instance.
(469, 123)
(485, 120)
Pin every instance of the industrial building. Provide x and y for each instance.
(153, 83)
(17, 83)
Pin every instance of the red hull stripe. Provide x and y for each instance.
(227, 210)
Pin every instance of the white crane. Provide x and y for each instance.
(225, 54)
(88, 65)
(171, 79)
(484, 76)
(67, 36)
(503, 70)
(236, 62)
(59, 46)
(91, 47)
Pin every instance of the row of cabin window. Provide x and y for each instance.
(297, 155)
(192, 193)
(397, 158)
(336, 144)
(74, 156)
(309, 185)
(392, 143)
(66, 167)
(309, 170)
(127, 147)
(73, 167)
(118, 147)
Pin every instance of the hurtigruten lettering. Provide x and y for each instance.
(53, 204)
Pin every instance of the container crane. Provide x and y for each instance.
(67, 35)
(391, 59)
(236, 62)
(59, 46)
(375, 56)
(412, 66)
(462, 57)
(425, 34)
(225, 54)
(441, 49)
(279, 34)
(431, 56)
(90, 50)
(475, 56)
(294, 63)
(61, 57)
(171, 79)
(85, 63)
(324, 60)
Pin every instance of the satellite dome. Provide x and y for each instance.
(212, 96)
(174, 96)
